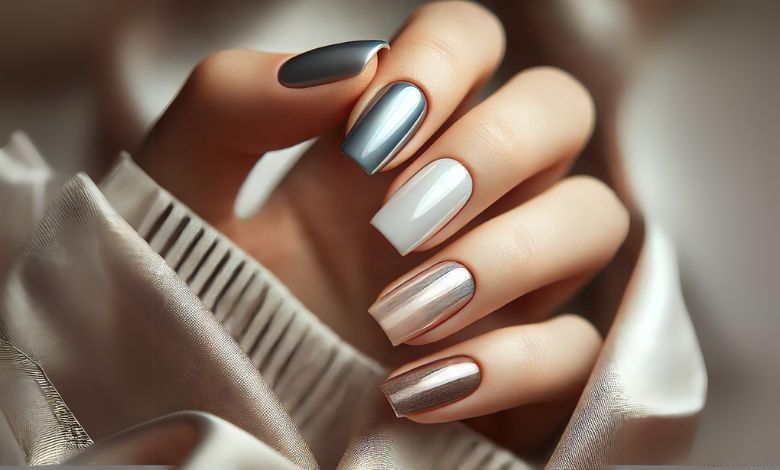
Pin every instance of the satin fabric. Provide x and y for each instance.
(138, 311)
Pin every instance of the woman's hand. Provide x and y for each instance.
(493, 230)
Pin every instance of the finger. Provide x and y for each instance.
(503, 369)
(442, 53)
(573, 228)
(238, 104)
(539, 120)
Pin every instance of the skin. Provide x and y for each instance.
(529, 239)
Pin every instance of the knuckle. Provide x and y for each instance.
(606, 207)
(439, 52)
(524, 244)
(477, 16)
(532, 347)
(562, 84)
(212, 65)
(550, 74)
(211, 73)
(582, 327)
(597, 189)
(472, 12)
(542, 117)
(589, 186)
(503, 134)
(477, 20)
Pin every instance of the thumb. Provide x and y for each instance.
(235, 107)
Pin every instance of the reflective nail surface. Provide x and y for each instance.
(424, 204)
(386, 125)
(328, 63)
(432, 385)
(424, 301)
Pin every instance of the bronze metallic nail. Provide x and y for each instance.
(424, 301)
(432, 385)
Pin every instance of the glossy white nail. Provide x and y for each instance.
(424, 204)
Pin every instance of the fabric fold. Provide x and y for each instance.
(191, 440)
(649, 386)
(36, 426)
(121, 336)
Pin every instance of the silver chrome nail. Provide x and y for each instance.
(328, 63)
(424, 204)
(424, 301)
(387, 124)
(432, 385)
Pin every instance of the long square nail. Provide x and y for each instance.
(424, 204)
(328, 63)
(386, 125)
(432, 385)
(424, 301)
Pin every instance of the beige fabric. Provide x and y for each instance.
(128, 336)
(192, 440)
(648, 389)
(122, 338)
(36, 426)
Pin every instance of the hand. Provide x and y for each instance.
(482, 188)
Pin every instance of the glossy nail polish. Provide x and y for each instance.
(386, 125)
(432, 385)
(424, 301)
(328, 64)
(424, 204)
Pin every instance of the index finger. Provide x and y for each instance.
(443, 53)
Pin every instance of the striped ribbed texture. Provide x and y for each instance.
(41, 422)
(326, 385)
(317, 377)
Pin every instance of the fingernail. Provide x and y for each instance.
(424, 204)
(432, 385)
(329, 63)
(388, 123)
(424, 301)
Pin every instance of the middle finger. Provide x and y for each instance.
(539, 120)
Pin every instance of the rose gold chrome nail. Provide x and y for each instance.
(432, 385)
(424, 301)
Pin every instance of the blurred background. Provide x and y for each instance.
(689, 132)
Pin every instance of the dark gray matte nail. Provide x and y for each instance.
(388, 123)
(329, 63)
